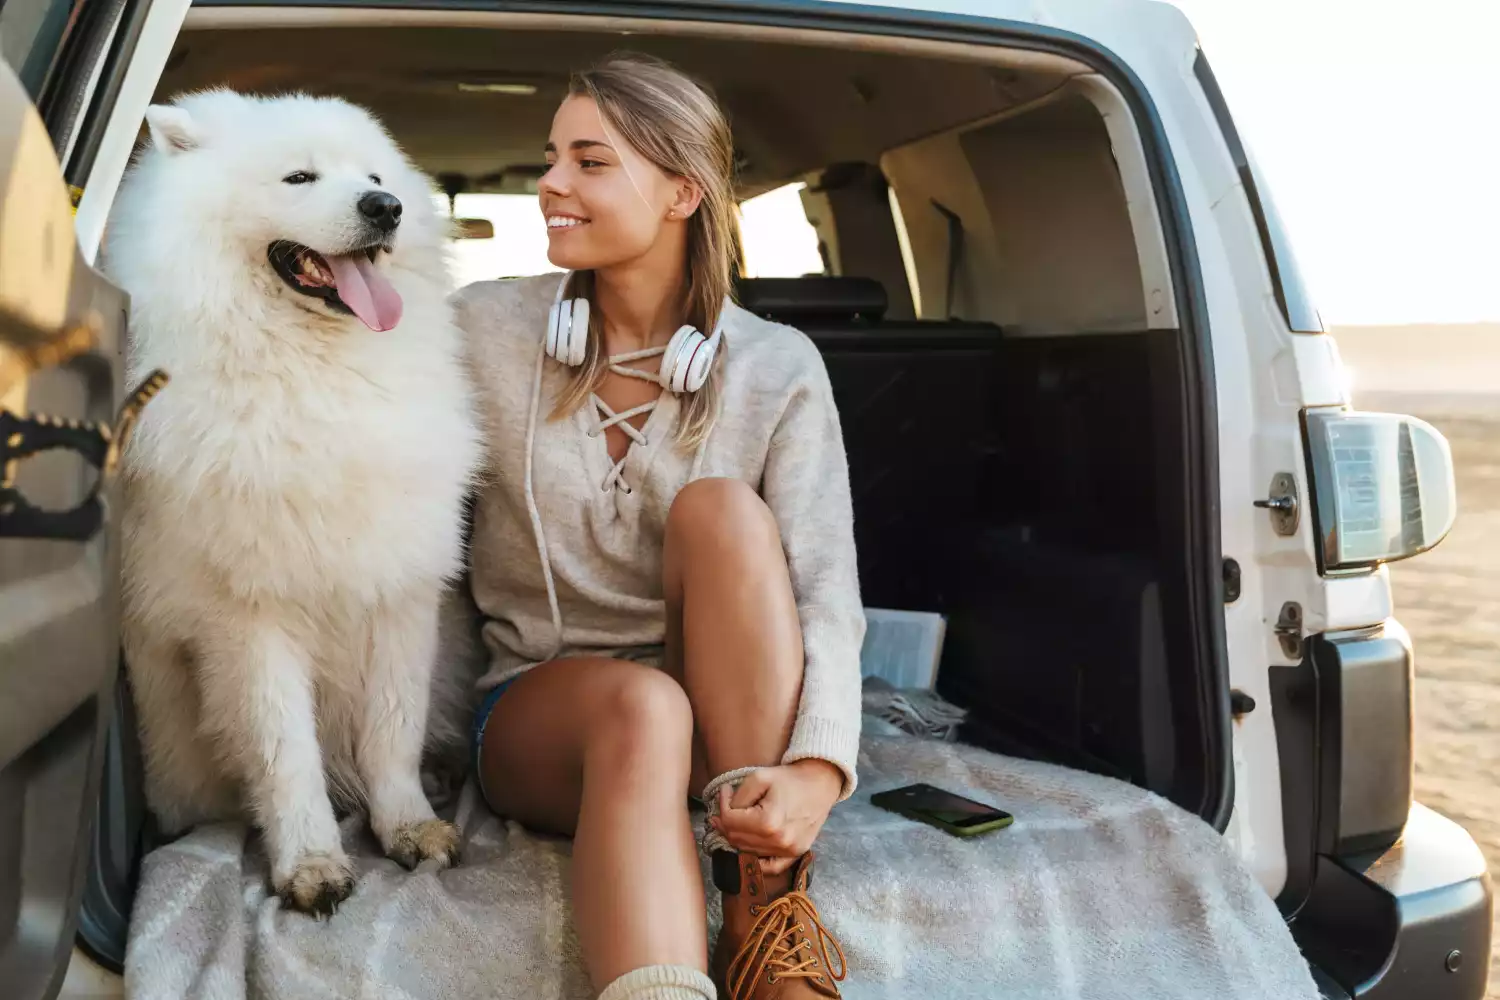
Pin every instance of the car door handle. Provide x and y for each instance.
(99, 444)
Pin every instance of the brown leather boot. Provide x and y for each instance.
(773, 945)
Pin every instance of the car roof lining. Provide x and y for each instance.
(798, 99)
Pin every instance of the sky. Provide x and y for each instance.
(1377, 125)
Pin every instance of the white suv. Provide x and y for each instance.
(1148, 492)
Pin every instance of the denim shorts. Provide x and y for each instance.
(481, 718)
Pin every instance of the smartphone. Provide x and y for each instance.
(948, 812)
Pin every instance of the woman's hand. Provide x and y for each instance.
(776, 812)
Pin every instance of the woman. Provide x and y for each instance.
(664, 557)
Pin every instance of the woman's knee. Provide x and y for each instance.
(720, 510)
(643, 715)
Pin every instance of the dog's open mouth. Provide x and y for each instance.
(347, 282)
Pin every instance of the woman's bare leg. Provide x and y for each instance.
(733, 635)
(601, 749)
(735, 638)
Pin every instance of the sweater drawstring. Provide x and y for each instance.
(531, 507)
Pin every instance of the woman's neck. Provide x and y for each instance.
(641, 303)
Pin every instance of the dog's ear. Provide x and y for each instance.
(172, 129)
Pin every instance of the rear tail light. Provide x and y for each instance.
(1382, 486)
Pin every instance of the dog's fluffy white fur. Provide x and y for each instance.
(293, 498)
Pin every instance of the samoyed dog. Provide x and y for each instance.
(294, 497)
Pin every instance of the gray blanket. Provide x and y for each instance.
(1099, 890)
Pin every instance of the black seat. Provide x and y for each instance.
(917, 403)
(848, 314)
(813, 298)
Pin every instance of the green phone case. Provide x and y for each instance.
(891, 801)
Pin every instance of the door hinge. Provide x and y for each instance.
(1282, 503)
(99, 444)
(1289, 630)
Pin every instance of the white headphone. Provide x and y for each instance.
(684, 367)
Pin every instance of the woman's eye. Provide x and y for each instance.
(300, 177)
(590, 164)
(375, 178)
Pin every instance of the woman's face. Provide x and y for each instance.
(604, 203)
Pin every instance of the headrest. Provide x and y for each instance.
(813, 297)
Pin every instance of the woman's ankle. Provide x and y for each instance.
(713, 841)
(661, 982)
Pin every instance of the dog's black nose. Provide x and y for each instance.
(381, 208)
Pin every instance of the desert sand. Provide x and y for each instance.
(1449, 598)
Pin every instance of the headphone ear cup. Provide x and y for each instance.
(678, 358)
(552, 317)
(578, 331)
(699, 363)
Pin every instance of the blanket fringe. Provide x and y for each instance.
(915, 711)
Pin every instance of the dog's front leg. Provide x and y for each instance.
(403, 651)
(258, 700)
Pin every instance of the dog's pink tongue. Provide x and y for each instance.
(366, 291)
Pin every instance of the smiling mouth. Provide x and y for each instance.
(346, 283)
(562, 223)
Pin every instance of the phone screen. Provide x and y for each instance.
(945, 807)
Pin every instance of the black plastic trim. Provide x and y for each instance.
(123, 832)
(1286, 277)
(1295, 699)
(1409, 922)
(1375, 747)
(111, 78)
(61, 101)
(1344, 737)
(1328, 987)
(1203, 544)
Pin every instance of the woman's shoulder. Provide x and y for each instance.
(779, 355)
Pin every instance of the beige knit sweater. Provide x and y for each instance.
(777, 429)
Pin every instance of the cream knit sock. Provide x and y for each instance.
(712, 839)
(661, 982)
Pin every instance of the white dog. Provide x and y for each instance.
(294, 496)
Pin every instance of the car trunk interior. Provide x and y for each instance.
(1014, 419)
(1011, 388)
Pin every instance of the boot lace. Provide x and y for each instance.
(779, 944)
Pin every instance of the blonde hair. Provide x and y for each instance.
(676, 124)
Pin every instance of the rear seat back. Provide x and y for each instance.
(1022, 487)
(916, 400)
(844, 314)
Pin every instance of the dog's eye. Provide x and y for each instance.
(300, 177)
(375, 178)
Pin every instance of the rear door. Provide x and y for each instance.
(61, 332)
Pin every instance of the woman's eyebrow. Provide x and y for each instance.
(578, 144)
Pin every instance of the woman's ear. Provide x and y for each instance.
(689, 196)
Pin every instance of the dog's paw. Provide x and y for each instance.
(433, 839)
(317, 885)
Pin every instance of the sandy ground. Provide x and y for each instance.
(1449, 600)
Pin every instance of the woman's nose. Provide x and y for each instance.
(554, 181)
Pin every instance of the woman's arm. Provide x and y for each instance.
(806, 486)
